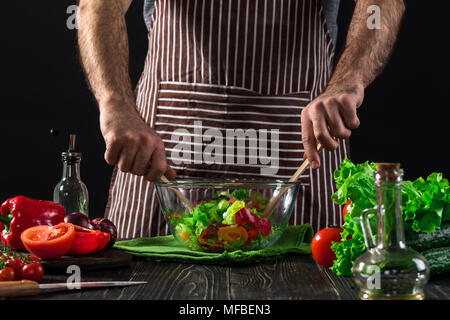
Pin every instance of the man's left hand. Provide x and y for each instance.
(330, 116)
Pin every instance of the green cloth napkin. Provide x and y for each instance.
(295, 239)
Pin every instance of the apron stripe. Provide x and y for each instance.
(251, 64)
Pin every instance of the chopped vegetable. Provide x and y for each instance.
(244, 216)
(231, 234)
(230, 215)
(230, 221)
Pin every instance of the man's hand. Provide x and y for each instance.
(333, 114)
(329, 116)
(132, 145)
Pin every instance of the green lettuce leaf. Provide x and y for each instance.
(229, 217)
(425, 205)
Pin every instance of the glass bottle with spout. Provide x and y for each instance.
(389, 269)
(71, 192)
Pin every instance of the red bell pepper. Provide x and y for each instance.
(244, 216)
(88, 241)
(20, 213)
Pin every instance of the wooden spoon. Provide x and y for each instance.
(180, 195)
(274, 201)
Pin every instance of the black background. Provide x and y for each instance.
(404, 116)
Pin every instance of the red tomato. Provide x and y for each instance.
(7, 274)
(33, 271)
(16, 264)
(48, 242)
(321, 243)
(345, 209)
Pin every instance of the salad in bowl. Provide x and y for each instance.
(226, 217)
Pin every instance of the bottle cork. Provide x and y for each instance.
(388, 170)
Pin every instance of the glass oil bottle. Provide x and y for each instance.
(71, 192)
(389, 269)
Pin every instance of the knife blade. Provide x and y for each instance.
(28, 288)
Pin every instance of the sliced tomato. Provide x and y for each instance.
(48, 242)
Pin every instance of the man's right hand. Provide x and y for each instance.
(132, 145)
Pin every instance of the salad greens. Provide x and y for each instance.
(230, 221)
(425, 206)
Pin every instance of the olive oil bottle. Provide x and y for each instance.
(71, 192)
(389, 269)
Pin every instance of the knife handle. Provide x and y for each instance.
(18, 288)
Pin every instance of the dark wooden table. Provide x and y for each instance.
(288, 278)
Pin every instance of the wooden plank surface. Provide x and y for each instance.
(293, 277)
(288, 278)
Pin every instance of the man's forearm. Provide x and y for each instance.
(367, 50)
(104, 51)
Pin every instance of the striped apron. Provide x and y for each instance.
(224, 84)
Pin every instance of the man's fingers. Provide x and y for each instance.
(348, 110)
(336, 124)
(127, 156)
(158, 165)
(112, 153)
(309, 143)
(322, 133)
(170, 173)
(141, 161)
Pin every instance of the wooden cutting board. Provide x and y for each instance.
(106, 259)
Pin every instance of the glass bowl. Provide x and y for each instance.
(226, 215)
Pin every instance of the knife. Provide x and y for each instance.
(30, 288)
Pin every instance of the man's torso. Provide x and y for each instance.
(330, 10)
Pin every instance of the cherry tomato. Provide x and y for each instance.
(16, 264)
(345, 209)
(321, 246)
(7, 274)
(48, 242)
(33, 271)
